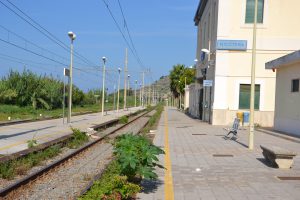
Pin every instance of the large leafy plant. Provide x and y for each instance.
(137, 156)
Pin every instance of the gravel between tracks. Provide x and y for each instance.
(67, 181)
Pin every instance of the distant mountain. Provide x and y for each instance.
(162, 86)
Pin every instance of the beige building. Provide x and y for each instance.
(287, 100)
(225, 31)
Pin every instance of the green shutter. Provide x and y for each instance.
(250, 11)
(244, 97)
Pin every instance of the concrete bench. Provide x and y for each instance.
(278, 156)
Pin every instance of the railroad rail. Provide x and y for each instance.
(34, 176)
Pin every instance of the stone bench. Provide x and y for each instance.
(278, 156)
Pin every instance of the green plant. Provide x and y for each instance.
(20, 166)
(78, 138)
(31, 143)
(7, 170)
(123, 119)
(111, 186)
(137, 156)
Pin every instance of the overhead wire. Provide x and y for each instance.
(123, 35)
(44, 31)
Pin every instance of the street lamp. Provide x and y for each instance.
(72, 36)
(103, 82)
(128, 86)
(252, 93)
(135, 93)
(119, 70)
(140, 94)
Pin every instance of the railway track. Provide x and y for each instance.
(73, 162)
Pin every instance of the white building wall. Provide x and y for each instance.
(287, 106)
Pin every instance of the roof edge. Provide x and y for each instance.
(199, 12)
(284, 60)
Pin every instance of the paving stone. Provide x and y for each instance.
(246, 175)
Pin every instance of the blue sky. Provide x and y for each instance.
(162, 30)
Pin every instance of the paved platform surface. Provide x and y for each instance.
(197, 174)
(13, 138)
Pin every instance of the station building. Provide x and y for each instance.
(287, 97)
(225, 31)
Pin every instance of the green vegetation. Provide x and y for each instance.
(123, 119)
(111, 186)
(21, 165)
(178, 75)
(31, 143)
(136, 156)
(78, 138)
(153, 119)
(30, 96)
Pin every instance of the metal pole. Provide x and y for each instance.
(119, 70)
(64, 95)
(143, 89)
(70, 85)
(252, 95)
(135, 93)
(125, 79)
(103, 85)
(114, 98)
(140, 95)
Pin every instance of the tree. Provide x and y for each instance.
(178, 75)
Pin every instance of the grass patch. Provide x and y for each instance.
(123, 119)
(78, 139)
(153, 119)
(20, 166)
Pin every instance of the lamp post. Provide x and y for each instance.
(103, 84)
(252, 94)
(140, 94)
(135, 93)
(119, 70)
(72, 36)
(128, 86)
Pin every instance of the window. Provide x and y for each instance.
(250, 11)
(245, 90)
(295, 85)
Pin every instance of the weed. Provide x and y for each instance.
(20, 166)
(78, 138)
(137, 156)
(31, 143)
(123, 119)
(111, 186)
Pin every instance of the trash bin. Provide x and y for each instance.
(246, 118)
(240, 116)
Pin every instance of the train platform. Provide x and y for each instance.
(203, 164)
(13, 138)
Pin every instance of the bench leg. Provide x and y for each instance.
(284, 163)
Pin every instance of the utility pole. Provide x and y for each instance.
(119, 70)
(103, 85)
(125, 78)
(135, 93)
(143, 89)
(140, 95)
(252, 94)
(72, 37)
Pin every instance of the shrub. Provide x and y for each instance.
(112, 186)
(137, 156)
(78, 138)
(123, 119)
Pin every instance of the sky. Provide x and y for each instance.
(162, 31)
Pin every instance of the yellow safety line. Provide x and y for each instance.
(25, 141)
(169, 192)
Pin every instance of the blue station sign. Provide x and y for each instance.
(237, 45)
